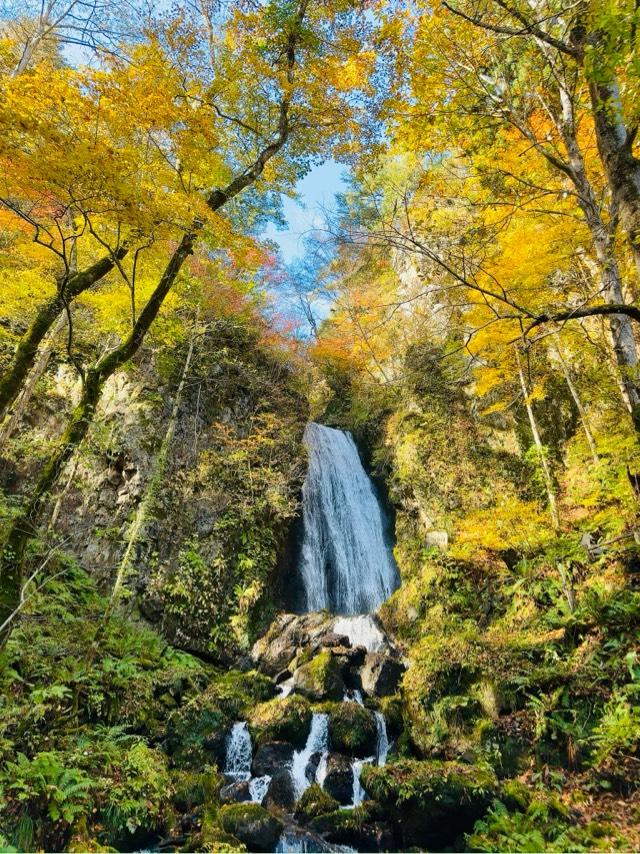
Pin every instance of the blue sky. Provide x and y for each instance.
(316, 191)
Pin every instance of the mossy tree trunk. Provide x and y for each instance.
(13, 379)
(24, 526)
(544, 464)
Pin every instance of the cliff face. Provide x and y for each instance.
(205, 518)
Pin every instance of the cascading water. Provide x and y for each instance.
(359, 793)
(346, 563)
(258, 788)
(361, 631)
(382, 747)
(239, 752)
(317, 742)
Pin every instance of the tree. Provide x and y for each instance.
(598, 39)
(297, 52)
(525, 155)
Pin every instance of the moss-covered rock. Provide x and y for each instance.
(352, 729)
(281, 719)
(365, 828)
(315, 802)
(431, 803)
(252, 824)
(213, 837)
(320, 678)
(391, 708)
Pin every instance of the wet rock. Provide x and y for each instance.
(380, 674)
(352, 729)
(287, 636)
(312, 766)
(281, 792)
(349, 656)
(315, 802)
(215, 742)
(339, 779)
(282, 676)
(271, 758)
(252, 824)
(333, 639)
(320, 678)
(363, 828)
(234, 793)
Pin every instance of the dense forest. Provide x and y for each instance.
(339, 553)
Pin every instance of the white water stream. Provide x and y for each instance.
(239, 752)
(346, 563)
(317, 742)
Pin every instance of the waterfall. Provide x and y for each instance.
(352, 695)
(258, 787)
(382, 748)
(359, 793)
(361, 631)
(346, 563)
(239, 752)
(317, 742)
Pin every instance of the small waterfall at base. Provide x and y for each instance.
(346, 564)
(382, 748)
(294, 841)
(317, 742)
(239, 752)
(359, 793)
(258, 788)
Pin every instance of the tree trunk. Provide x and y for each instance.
(8, 427)
(12, 381)
(548, 480)
(615, 146)
(621, 326)
(578, 402)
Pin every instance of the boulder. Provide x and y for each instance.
(287, 635)
(315, 802)
(363, 829)
(431, 803)
(352, 729)
(338, 781)
(271, 758)
(380, 674)
(320, 678)
(333, 639)
(281, 791)
(281, 719)
(349, 656)
(234, 793)
(252, 824)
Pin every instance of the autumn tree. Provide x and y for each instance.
(308, 61)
